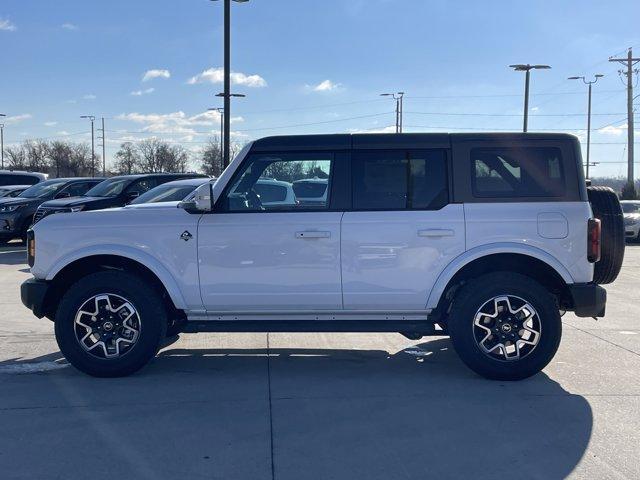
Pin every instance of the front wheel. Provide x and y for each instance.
(110, 324)
(505, 326)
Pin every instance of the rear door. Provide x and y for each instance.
(402, 230)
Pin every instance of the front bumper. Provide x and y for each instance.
(632, 231)
(33, 293)
(588, 299)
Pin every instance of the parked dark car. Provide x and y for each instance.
(175, 191)
(17, 213)
(113, 192)
(10, 191)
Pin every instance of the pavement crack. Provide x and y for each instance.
(273, 474)
(604, 339)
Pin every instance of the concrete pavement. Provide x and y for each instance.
(321, 406)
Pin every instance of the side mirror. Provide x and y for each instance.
(201, 201)
(131, 196)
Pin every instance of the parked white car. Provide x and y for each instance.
(631, 210)
(483, 237)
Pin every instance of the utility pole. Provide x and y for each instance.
(520, 67)
(93, 149)
(2, 140)
(590, 84)
(629, 62)
(104, 153)
(398, 97)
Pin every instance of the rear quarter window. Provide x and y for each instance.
(517, 172)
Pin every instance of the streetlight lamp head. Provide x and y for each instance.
(386, 94)
(519, 67)
(599, 75)
(574, 78)
(2, 115)
(541, 67)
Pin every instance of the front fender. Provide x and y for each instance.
(494, 248)
(131, 253)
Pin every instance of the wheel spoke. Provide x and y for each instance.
(111, 329)
(507, 327)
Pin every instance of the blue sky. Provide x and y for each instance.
(311, 67)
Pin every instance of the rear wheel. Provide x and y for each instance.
(505, 326)
(110, 324)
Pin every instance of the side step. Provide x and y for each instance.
(406, 327)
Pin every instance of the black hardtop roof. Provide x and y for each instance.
(167, 174)
(346, 141)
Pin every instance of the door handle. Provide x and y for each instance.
(313, 234)
(436, 232)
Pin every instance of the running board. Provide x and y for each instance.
(422, 327)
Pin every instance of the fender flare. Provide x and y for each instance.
(130, 253)
(491, 249)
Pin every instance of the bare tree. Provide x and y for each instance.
(59, 155)
(127, 159)
(159, 156)
(80, 160)
(210, 158)
(36, 155)
(16, 157)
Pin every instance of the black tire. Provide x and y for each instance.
(476, 293)
(145, 299)
(606, 207)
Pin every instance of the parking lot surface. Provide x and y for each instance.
(321, 406)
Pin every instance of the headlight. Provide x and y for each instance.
(10, 208)
(79, 208)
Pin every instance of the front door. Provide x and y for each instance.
(402, 230)
(276, 252)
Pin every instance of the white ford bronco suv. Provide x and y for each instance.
(487, 238)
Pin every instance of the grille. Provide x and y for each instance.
(40, 213)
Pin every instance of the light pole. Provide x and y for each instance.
(220, 110)
(93, 151)
(527, 68)
(398, 97)
(589, 83)
(2, 140)
(227, 78)
(226, 126)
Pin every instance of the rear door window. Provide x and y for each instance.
(400, 180)
(517, 172)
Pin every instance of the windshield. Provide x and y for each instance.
(165, 193)
(109, 188)
(43, 189)
(630, 208)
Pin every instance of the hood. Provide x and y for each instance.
(19, 201)
(97, 202)
(152, 205)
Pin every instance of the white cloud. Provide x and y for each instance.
(216, 75)
(63, 133)
(325, 86)
(178, 123)
(69, 26)
(15, 119)
(7, 26)
(611, 130)
(50, 124)
(89, 96)
(389, 129)
(139, 93)
(156, 73)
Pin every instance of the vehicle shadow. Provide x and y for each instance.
(318, 413)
